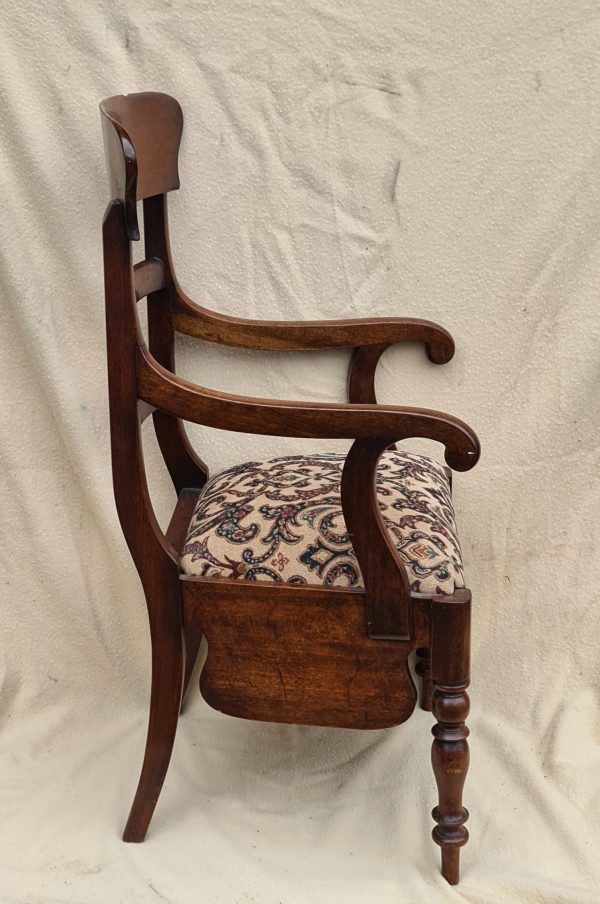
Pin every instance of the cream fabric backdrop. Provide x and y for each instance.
(338, 159)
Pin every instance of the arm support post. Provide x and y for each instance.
(439, 347)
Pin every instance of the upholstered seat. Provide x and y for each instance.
(281, 520)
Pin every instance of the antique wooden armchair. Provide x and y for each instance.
(326, 639)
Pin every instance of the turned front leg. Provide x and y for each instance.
(450, 760)
(450, 632)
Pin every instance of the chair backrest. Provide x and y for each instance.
(142, 133)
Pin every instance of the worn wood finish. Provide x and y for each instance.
(301, 655)
(450, 644)
(302, 335)
(304, 654)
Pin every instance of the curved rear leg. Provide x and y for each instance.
(165, 701)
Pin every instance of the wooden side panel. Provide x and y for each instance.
(296, 654)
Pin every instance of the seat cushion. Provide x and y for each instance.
(281, 520)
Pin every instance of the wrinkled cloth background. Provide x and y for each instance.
(338, 159)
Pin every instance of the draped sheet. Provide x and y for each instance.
(338, 159)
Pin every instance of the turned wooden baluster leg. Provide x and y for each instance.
(423, 669)
(450, 639)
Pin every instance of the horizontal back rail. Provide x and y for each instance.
(150, 276)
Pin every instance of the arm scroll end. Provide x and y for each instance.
(440, 349)
(466, 457)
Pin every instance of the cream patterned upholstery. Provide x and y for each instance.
(281, 520)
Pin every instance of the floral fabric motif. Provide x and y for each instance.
(281, 520)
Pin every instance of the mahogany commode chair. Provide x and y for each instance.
(313, 578)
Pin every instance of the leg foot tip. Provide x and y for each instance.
(450, 864)
(133, 836)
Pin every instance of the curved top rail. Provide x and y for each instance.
(142, 134)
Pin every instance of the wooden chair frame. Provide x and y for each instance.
(345, 650)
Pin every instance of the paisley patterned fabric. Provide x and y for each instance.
(281, 520)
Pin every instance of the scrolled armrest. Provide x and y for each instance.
(369, 337)
(303, 335)
(181, 398)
